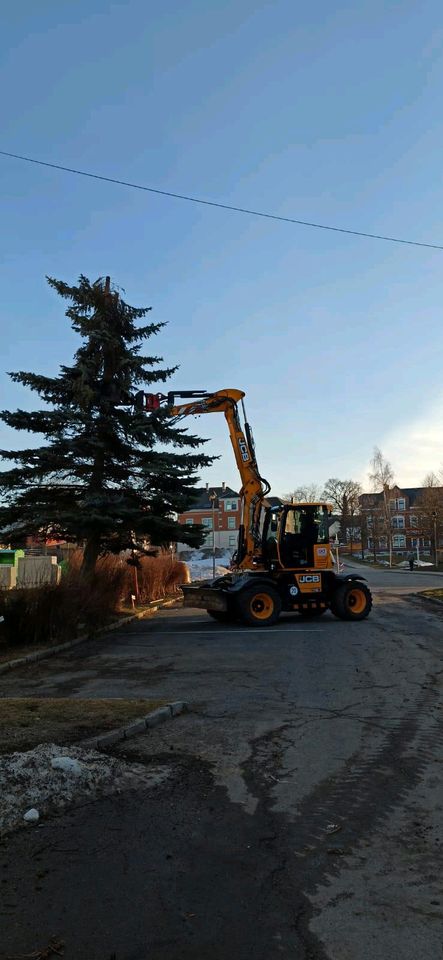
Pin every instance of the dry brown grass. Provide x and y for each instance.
(436, 594)
(57, 613)
(27, 721)
(159, 577)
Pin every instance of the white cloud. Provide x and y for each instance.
(414, 448)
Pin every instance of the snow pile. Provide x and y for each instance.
(204, 571)
(49, 778)
(68, 765)
(417, 563)
(200, 567)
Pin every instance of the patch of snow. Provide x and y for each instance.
(203, 570)
(200, 567)
(68, 765)
(50, 777)
(417, 563)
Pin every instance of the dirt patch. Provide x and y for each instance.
(434, 594)
(28, 721)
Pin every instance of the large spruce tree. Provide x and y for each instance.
(107, 474)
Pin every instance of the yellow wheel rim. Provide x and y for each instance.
(261, 606)
(356, 600)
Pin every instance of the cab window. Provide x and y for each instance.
(303, 526)
(309, 522)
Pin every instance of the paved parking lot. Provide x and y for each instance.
(300, 814)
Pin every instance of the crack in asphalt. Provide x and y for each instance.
(358, 798)
(210, 853)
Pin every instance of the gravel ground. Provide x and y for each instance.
(37, 779)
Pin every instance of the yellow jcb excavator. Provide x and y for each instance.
(283, 560)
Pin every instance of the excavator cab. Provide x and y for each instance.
(296, 536)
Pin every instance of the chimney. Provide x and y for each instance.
(223, 486)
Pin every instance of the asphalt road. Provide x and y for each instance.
(301, 817)
(404, 579)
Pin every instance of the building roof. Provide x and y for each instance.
(274, 501)
(412, 493)
(202, 501)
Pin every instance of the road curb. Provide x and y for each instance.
(422, 596)
(70, 644)
(152, 719)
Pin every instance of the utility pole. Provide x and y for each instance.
(213, 497)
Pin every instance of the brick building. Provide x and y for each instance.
(221, 514)
(411, 520)
(224, 511)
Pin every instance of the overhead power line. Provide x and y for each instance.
(220, 206)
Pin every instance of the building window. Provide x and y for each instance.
(401, 503)
(398, 523)
(230, 505)
(207, 522)
(399, 540)
(413, 521)
(231, 523)
(232, 541)
(189, 521)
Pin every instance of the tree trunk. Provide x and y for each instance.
(90, 555)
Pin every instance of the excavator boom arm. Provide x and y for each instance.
(254, 488)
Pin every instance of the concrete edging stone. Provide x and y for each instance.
(422, 596)
(61, 647)
(152, 719)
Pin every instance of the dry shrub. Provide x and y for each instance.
(57, 613)
(158, 577)
(39, 614)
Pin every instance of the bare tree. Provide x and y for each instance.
(344, 494)
(372, 523)
(432, 480)
(382, 478)
(429, 509)
(310, 493)
(362, 524)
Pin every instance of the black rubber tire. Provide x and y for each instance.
(352, 601)
(222, 616)
(312, 613)
(259, 606)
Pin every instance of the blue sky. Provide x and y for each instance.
(328, 112)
